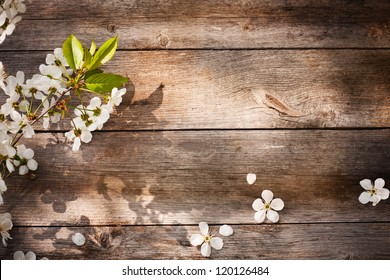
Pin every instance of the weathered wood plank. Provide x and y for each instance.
(209, 24)
(300, 241)
(238, 89)
(186, 177)
(204, 33)
(304, 10)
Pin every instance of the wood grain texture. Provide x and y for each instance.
(303, 241)
(226, 89)
(183, 178)
(209, 24)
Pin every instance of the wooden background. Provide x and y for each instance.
(178, 153)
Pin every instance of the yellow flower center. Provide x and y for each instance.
(207, 238)
(267, 206)
(372, 192)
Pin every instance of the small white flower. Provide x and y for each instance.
(19, 255)
(267, 207)
(2, 77)
(78, 134)
(51, 71)
(78, 239)
(225, 230)
(21, 122)
(3, 189)
(5, 226)
(115, 99)
(51, 115)
(374, 193)
(206, 240)
(9, 26)
(57, 58)
(251, 178)
(25, 160)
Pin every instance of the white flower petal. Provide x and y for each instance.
(375, 199)
(32, 164)
(196, 239)
(364, 197)
(225, 230)
(251, 178)
(260, 216)
(383, 193)
(204, 228)
(205, 250)
(23, 170)
(31, 256)
(86, 136)
(366, 184)
(379, 183)
(78, 239)
(28, 154)
(267, 195)
(19, 255)
(216, 243)
(76, 144)
(277, 204)
(273, 216)
(6, 224)
(258, 204)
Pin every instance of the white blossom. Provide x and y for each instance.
(25, 160)
(51, 116)
(267, 207)
(51, 71)
(5, 226)
(57, 58)
(3, 189)
(373, 192)
(30, 255)
(20, 121)
(80, 132)
(114, 99)
(2, 77)
(206, 240)
(9, 9)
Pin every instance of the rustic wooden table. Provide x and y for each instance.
(294, 91)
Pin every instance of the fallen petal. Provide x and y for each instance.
(225, 230)
(251, 178)
(78, 239)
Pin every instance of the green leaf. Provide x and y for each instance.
(92, 49)
(104, 82)
(73, 52)
(104, 53)
(87, 58)
(91, 73)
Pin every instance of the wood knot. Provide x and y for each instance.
(163, 40)
(111, 28)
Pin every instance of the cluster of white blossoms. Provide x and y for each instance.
(92, 117)
(70, 76)
(9, 10)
